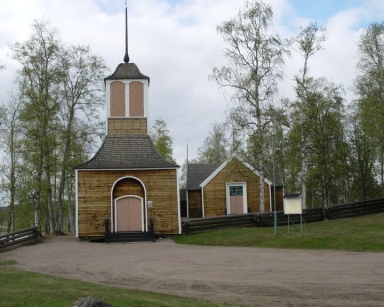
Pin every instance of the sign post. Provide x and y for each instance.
(292, 205)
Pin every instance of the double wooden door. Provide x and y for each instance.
(129, 214)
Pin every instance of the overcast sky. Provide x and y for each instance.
(175, 43)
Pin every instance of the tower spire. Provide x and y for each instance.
(126, 56)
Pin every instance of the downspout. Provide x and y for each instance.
(187, 196)
(270, 198)
(77, 203)
(178, 200)
(202, 202)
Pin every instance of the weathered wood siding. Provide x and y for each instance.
(279, 198)
(127, 126)
(194, 204)
(215, 191)
(94, 198)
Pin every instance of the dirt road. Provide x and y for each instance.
(249, 276)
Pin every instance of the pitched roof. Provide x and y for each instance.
(198, 172)
(199, 175)
(132, 151)
(127, 71)
(268, 173)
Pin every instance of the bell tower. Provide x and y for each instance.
(127, 97)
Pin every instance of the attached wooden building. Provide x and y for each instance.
(229, 188)
(127, 182)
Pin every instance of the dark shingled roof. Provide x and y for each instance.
(294, 195)
(198, 172)
(127, 152)
(127, 71)
(268, 173)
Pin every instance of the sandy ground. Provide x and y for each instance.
(249, 276)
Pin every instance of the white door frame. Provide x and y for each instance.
(245, 201)
(113, 202)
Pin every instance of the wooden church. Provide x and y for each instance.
(127, 185)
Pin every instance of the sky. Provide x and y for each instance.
(175, 43)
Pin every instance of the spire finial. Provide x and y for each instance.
(126, 56)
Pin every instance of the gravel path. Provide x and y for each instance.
(249, 276)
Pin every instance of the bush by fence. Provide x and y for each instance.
(266, 219)
(25, 236)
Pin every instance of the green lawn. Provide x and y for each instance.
(355, 234)
(20, 288)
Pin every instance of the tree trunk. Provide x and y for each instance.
(304, 171)
(71, 227)
(11, 213)
(51, 217)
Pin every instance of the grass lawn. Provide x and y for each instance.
(364, 233)
(20, 288)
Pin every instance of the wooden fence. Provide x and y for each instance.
(25, 236)
(266, 219)
(310, 216)
(355, 209)
(217, 222)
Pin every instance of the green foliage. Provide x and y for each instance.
(362, 178)
(52, 124)
(215, 147)
(369, 87)
(20, 288)
(162, 140)
(357, 234)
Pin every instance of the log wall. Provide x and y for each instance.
(124, 126)
(194, 204)
(94, 198)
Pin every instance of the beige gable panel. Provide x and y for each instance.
(117, 98)
(136, 99)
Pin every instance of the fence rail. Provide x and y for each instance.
(266, 219)
(217, 222)
(355, 209)
(25, 236)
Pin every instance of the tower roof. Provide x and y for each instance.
(132, 151)
(127, 71)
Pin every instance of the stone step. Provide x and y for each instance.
(130, 237)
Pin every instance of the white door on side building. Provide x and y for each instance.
(236, 198)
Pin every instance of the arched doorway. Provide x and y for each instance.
(128, 209)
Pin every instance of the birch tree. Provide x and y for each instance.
(256, 58)
(12, 142)
(215, 147)
(309, 42)
(39, 77)
(370, 91)
(62, 92)
(81, 94)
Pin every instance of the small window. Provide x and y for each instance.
(236, 190)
